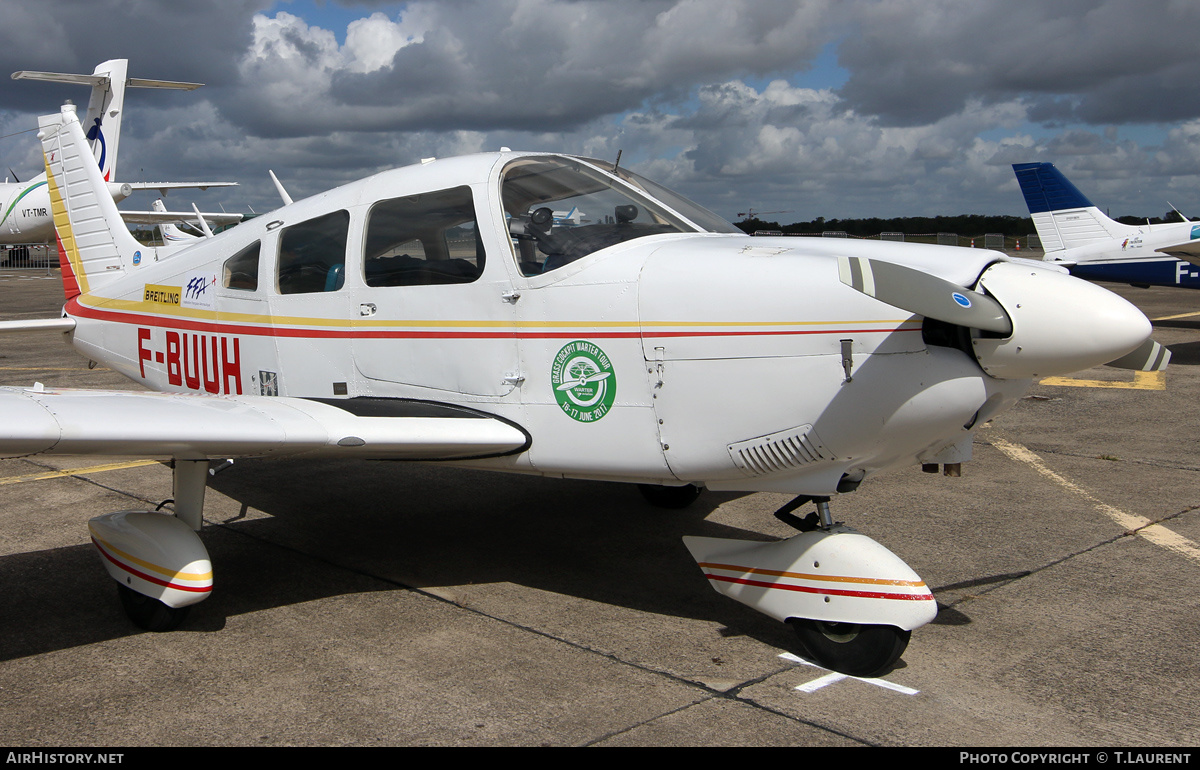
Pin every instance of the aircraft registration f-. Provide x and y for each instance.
(445, 312)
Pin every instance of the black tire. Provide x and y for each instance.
(851, 648)
(149, 613)
(675, 498)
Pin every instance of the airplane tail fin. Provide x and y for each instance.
(171, 234)
(94, 244)
(106, 106)
(1063, 216)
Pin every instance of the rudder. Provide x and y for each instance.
(95, 246)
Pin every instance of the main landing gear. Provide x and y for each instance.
(160, 564)
(852, 603)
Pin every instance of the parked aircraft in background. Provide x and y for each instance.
(168, 222)
(1076, 234)
(438, 312)
(25, 215)
(170, 232)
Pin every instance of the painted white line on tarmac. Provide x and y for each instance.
(833, 677)
(1138, 525)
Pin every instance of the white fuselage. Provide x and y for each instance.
(749, 333)
(25, 213)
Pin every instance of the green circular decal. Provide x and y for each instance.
(584, 381)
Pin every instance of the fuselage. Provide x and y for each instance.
(619, 351)
(1132, 258)
(25, 213)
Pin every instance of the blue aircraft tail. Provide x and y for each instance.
(1046, 189)
(1063, 216)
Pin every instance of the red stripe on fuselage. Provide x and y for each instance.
(74, 308)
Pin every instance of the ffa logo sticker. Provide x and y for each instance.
(584, 381)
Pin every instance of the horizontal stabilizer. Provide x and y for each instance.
(162, 187)
(143, 424)
(101, 80)
(176, 217)
(37, 325)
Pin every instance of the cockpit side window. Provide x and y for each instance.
(422, 240)
(312, 255)
(241, 270)
(560, 210)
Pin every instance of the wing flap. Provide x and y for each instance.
(134, 423)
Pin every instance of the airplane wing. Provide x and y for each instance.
(41, 420)
(162, 187)
(176, 217)
(1189, 252)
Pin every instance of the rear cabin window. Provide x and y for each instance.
(241, 270)
(312, 255)
(422, 240)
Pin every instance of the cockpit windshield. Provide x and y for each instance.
(709, 220)
(560, 210)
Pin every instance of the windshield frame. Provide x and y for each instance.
(705, 219)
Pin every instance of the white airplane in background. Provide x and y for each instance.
(25, 216)
(436, 312)
(1076, 234)
(168, 223)
(170, 232)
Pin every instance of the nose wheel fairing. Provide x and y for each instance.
(834, 576)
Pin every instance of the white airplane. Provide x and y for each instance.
(168, 223)
(1077, 235)
(25, 215)
(435, 312)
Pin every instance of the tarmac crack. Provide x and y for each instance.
(709, 693)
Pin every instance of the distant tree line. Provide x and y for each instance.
(1170, 216)
(966, 224)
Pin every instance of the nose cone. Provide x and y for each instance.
(1061, 324)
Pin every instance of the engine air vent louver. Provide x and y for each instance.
(783, 451)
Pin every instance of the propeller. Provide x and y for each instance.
(924, 294)
(1150, 356)
(1043, 322)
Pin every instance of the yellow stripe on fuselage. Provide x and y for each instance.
(217, 316)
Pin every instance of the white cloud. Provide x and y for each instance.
(711, 96)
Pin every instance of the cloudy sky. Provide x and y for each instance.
(833, 108)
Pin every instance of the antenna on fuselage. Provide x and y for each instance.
(617, 162)
(287, 199)
(203, 225)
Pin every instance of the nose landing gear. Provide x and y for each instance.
(852, 602)
(856, 649)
